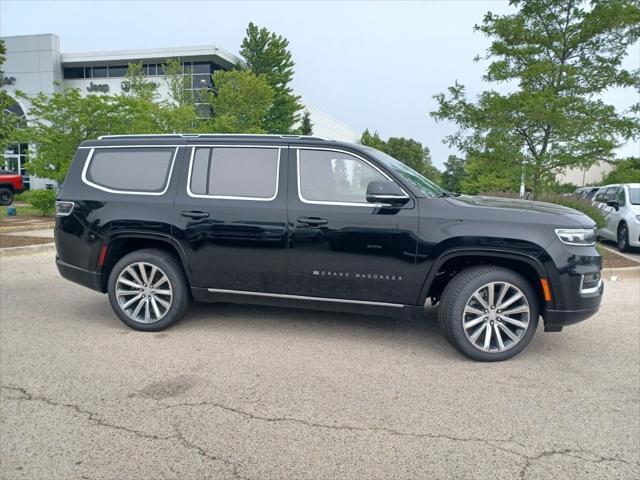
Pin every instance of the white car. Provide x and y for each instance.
(621, 207)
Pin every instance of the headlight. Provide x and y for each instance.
(577, 236)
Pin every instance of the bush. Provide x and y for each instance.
(44, 201)
(24, 196)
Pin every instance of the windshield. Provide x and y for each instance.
(634, 195)
(416, 179)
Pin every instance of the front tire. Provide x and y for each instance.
(148, 290)
(489, 313)
(623, 237)
(6, 196)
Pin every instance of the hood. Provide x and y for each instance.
(523, 209)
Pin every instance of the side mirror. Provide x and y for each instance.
(614, 204)
(387, 193)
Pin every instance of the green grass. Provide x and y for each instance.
(23, 211)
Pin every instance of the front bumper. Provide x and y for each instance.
(555, 320)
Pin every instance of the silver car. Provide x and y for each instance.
(621, 207)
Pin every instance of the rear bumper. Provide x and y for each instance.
(80, 276)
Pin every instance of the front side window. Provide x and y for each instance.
(130, 170)
(634, 195)
(235, 172)
(334, 177)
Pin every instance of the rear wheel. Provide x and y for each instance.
(148, 290)
(489, 313)
(6, 196)
(623, 237)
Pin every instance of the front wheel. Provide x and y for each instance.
(148, 290)
(623, 237)
(489, 313)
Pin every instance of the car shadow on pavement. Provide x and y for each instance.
(302, 322)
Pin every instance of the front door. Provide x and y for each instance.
(341, 246)
(230, 217)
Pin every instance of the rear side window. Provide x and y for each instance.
(143, 170)
(241, 173)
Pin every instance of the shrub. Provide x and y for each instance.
(44, 201)
(24, 196)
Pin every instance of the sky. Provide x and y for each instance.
(372, 65)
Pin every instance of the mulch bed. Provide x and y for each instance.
(36, 223)
(21, 241)
(613, 260)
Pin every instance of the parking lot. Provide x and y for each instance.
(246, 392)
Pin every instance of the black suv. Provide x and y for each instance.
(156, 221)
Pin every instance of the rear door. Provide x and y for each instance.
(230, 216)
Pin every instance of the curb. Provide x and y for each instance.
(26, 228)
(27, 250)
(625, 272)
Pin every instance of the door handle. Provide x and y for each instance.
(194, 214)
(313, 221)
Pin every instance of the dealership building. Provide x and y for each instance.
(35, 64)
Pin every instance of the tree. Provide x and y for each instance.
(373, 140)
(177, 82)
(624, 171)
(408, 151)
(139, 84)
(61, 121)
(267, 54)
(240, 102)
(454, 173)
(306, 127)
(562, 55)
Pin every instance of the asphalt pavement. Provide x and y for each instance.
(245, 392)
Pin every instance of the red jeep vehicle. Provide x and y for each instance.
(10, 184)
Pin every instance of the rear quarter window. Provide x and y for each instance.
(143, 170)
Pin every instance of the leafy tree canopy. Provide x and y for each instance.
(240, 104)
(306, 126)
(453, 174)
(408, 151)
(561, 55)
(624, 171)
(267, 54)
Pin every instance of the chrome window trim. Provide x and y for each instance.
(343, 204)
(305, 297)
(132, 146)
(231, 197)
(129, 192)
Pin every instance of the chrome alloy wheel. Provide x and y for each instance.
(496, 317)
(144, 292)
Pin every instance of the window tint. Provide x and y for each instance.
(249, 173)
(620, 196)
(326, 176)
(610, 194)
(131, 169)
(634, 195)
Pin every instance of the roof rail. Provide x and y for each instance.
(199, 135)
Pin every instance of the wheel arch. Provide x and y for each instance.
(123, 244)
(451, 262)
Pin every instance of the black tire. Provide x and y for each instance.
(6, 196)
(460, 290)
(623, 237)
(168, 264)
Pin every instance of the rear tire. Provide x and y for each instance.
(148, 290)
(6, 196)
(623, 237)
(470, 323)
